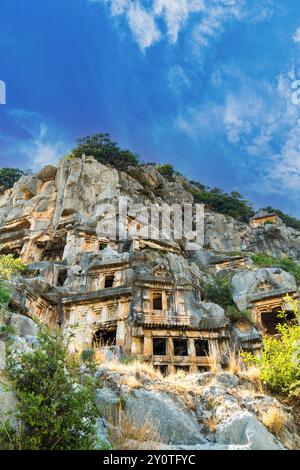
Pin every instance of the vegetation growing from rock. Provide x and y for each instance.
(219, 291)
(105, 151)
(9, 176)
(287, 219)
(266, 261)
(167, 170)
(279, 362)
(217, 200)
(54, 411)
(9, 265)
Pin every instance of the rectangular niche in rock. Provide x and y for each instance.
(201, 347)
(103, 338)
(183, 368)
(180, 347)
(109, 281)
(159, 346)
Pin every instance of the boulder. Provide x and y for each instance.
(106, 401)
(23, 326)
(173, 423)
(229, 380)
(243, 428)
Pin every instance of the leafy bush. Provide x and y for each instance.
(239, 315)
(166, 170)
(53, 410)
(287, 219)
(105, 151)
(9, 176)
(220, 291)
(265, 261)
(279, 362)
(10, 266)
(216, 200)
(4, 294)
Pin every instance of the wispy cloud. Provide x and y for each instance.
(262, 124)
(43, 145)
(296, 36)
(208, 18)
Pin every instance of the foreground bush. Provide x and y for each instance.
(53, 410)
(279, 362)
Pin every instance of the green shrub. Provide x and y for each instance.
(10, 266)
(279, 361)
(216, 200)
(266, 261)
(287, 219)
(54, 411)
(9, 176)
(4, 294)
(219, 291)
(239, 315)
(166, 170)
(105, 151)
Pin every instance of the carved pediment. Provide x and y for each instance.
(262, 286)
(160, 270)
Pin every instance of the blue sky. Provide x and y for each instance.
(203, 84)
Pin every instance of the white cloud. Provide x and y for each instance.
(143, 26)
(209, 17)
(178, 79)
(176, 13)
(262, 124)
(296, 36)
(42, 146)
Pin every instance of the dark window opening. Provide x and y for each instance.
(203, 368)
(62, 276)
(54, 251)
(162, 368)
(180, 347)
(183, 368)
(104, 338)
(102, 246)
(109, 281)
(159, 346)
(201, 347)
(15, 252)
(270, 320)
(157, 301)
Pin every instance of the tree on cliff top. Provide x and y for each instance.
(9, 176)
(105, 151)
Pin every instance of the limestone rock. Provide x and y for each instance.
(22, 325)
(244, 429)
(173, 424)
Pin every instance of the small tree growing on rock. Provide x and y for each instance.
(54, 411)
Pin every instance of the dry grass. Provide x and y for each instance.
(214, 363)
(134, 368)
(274, 419)
(212, 424)
(128, 435)
(253, 374)
(131, 381)
(235, 362)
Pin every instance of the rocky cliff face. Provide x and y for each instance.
(145, 296)
(141, 409)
